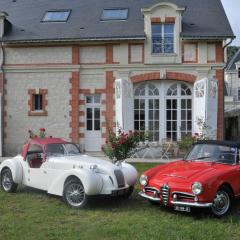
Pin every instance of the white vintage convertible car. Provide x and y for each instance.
(58, 167)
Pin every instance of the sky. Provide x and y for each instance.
(232, 8)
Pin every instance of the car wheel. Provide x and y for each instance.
(7, 183)
(222, 202)
(74, 194)
(129, 192)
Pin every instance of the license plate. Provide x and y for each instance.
(182, 208)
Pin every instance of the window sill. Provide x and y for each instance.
(37, 113)
(164, 54)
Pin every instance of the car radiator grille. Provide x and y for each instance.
(120, 178)
(165, 194)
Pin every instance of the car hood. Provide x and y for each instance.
(182, 171)
(81, 161)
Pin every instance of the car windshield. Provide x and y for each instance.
(64, 149)
(212, 153)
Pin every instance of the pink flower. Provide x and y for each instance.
(42, 129)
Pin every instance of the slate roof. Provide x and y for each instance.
(202, 19)
(236, 58)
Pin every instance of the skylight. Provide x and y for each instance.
(56, 16)
(114, 14)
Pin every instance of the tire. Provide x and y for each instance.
(74, 194)
(7, 183)
(129, 192)
(222, 202)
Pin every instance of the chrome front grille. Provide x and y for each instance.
(120, 178)
(165, 194)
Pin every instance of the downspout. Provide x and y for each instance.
(224, 47)
(2, 97)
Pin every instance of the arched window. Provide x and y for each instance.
(146, 110)
(178, 111)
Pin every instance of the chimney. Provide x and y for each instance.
(3, 16)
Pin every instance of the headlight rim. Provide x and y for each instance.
(200, 189)
(143, 177)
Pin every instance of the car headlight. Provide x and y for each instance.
(143, 180)
(197, 188)
(94, 167)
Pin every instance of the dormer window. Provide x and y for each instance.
(162, 38)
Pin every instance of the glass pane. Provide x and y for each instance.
(183, 115)
(156, 136)
(114, 14)
(168, 104)
(37, 102)
(174, 115)
(89, 113)
(151, 114)
(89, 99)
(183, 126)
(97, 99)
(156, 125)
(156, 104)
(142, 104)
(156, 29)
(89, 125)
(169, 115)
(189, 104)
(142, 115)
(189, 114)
(136, 115)
(156, 117)
(97, 113)
(183, 104)
(189, 125)
(136, 125)
(169, 127)
(169, 135)
(151, 104)
(142, 125)
(174, 136)
(174, 125)
(97, 125)
(174, 104)
(136, 104)
(56, 16)
(150, 125)
(168, 29)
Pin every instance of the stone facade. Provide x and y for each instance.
(71, 72)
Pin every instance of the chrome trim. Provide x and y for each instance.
(188, 194)
(151, 189)
(188, 204)
(142, 194)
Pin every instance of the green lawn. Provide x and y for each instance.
(30, 214)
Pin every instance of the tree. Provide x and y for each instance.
(231, 50)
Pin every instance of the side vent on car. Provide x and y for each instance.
(120, 178)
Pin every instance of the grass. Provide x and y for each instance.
(31, 214)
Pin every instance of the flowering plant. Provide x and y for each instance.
(42, 133)
(121, 146)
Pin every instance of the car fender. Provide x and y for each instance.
(15, 166)
(92, 182)
(130, 174)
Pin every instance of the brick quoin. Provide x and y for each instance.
(109, 113)
(219, 52)
(74, 103)
(109, 54)
(75, 55)
(220, 120)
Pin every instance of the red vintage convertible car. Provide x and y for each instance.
(208, 177)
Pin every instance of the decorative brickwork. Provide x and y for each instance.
(186, 77)
(109, 113)
(156, 20)
(32, 112)
(74, 103)
(109, 54)
(219, 52)
(75, 55)
(170, 19)
(145, 77)
(220, 123)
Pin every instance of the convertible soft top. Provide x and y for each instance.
(42, 142)
(218, 142)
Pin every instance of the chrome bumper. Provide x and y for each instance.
(142, 194)
(177, 203)
(191, 204)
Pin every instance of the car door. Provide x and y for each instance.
(36, 168)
